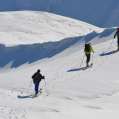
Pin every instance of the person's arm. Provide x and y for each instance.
(42, 77)
(84, 51)
(91, 48)
(115, 34)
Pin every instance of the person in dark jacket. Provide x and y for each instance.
(117, 33)
(37, 77)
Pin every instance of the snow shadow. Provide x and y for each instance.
(23, 97)
(72, 70)
(107, 32)
(22, 54)
(109, 53)
(90, 36)
(18, 55)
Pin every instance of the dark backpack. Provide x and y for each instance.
(118, 32)
(87, 47)
(35, 77)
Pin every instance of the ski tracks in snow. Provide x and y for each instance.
(11, 107)
(14, 107)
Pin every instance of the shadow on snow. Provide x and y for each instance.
(22, 54)
(71, 70)
(23, 97)
(109, 53)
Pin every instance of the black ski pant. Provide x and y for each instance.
(88, 58)
(118, 40)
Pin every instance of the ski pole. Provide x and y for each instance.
(111, 44)
(92, 58)
(29, 86)
(46, 87)
(82, 60)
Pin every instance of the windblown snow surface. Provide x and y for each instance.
(39, 40)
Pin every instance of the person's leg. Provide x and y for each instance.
(36, 87)
(88, 59)
(118, 42)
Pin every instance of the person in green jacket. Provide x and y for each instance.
(87, 50)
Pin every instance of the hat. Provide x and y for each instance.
(38, 70)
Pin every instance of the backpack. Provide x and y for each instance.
(118, 29)
(118, 32)
(87, 47)
(35, 77)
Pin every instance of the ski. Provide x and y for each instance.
(90, 66)
(116, 51)
(39, 92)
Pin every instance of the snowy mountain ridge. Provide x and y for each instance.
(29, 27)
(101, 13)
(51, 34)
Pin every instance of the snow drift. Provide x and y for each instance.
(22, 54)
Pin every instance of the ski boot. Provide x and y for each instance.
(87, 65)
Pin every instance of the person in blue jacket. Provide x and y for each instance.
(117, 34)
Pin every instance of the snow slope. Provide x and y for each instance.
(101, 13)
(71, 92)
